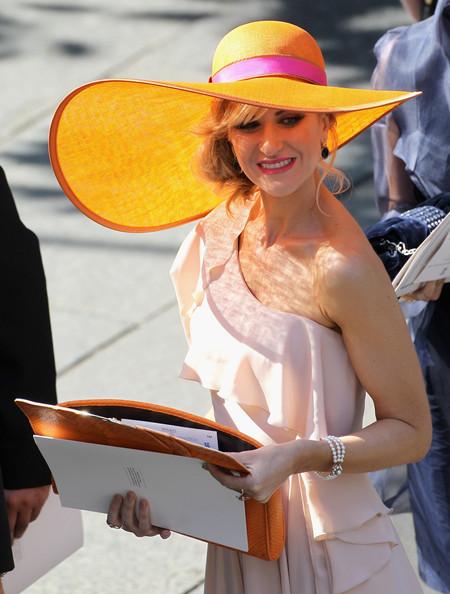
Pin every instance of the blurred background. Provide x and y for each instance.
(114, 318)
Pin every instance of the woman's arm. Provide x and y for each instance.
(400, 187)
(360, 300)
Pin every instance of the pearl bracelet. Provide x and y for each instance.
(338, 451)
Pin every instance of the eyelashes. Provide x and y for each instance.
(248, 126)
(292, 120)
(286, 121)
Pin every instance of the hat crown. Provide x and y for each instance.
(266, 38)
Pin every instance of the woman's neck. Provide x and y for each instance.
(293, 217)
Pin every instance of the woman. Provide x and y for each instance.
(412, 165)
(287, 310)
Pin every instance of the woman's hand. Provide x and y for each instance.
(430, 291)
(271, 465)
(133, 516)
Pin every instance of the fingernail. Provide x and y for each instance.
(205, 466)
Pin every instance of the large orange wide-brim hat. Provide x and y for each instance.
(123, 150)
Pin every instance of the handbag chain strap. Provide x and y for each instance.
(400, 247)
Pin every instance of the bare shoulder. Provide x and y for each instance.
(346, 268)
(351, 278)
(356, 295)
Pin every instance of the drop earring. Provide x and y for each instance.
(325, 152)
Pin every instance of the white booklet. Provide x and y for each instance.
(51, 538)
(183, 496)
(430, 262)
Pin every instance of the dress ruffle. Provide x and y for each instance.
(369, 547)
(255, 355)
(352, 523)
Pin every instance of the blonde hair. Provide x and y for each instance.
(217, 163)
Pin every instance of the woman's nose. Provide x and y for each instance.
(271, 143)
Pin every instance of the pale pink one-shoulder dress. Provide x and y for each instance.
(280, 376)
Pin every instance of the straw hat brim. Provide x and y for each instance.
(123, 150)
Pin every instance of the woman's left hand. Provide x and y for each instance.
(269, 466)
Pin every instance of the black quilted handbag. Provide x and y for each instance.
(396, 238)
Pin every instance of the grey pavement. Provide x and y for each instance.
(115, 324)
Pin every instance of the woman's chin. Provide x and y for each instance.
(278, 191)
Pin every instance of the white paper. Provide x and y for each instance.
(439, 265)
(430, 262)
(183, 496)
(51, 538)
(204, 437)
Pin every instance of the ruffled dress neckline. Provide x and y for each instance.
(225, 247)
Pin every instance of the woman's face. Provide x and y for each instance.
(279, 150)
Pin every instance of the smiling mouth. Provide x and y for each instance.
(276, 166)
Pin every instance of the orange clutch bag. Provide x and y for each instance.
(98, 425)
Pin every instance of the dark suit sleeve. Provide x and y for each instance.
(6, 558)
(27, 367)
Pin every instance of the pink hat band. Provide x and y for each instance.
(271, 66)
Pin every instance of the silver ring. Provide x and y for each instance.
(243, 496)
